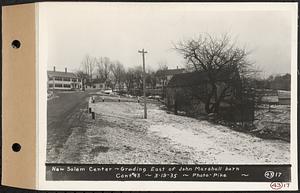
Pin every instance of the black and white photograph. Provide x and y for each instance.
(168, 83)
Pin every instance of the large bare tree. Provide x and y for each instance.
(83, 76)
(221, 60)
(151, 78)
(137, 79)
(88, 64)
(129, 79)
(162, 76)
(103, 69)
(118, 73)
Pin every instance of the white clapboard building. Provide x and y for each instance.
(58, 80)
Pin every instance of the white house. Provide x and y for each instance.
(58, 80)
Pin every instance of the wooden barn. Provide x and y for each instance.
(188, 92)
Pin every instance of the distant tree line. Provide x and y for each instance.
(115, 75)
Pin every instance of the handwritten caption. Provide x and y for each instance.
(135, 172)
(166, 172)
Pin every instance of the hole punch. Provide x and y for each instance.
(16, 44)
(16, 147)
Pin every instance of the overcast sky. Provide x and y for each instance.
(118, 31)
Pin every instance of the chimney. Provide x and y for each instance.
(66, 70)
(53, 68)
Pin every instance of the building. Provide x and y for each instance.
(96, 83)
(188, 92)
(164, 76)
(58, 80)
(120, 87)
(284, 97)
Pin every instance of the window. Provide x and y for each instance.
(58, 78)
(51, 85)
(50, 78)
(67, 86)
(58, 85)
(66, 79)
(74, 80)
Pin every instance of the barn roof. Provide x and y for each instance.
(188, 79)
(170, 72)
(195, 78)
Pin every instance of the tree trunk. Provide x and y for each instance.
(209, 109)
(219, 100)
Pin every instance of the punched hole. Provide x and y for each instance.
(16, 147)
(16, 44)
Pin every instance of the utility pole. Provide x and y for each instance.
(53, 84)
(143, 52)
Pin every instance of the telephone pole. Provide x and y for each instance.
(143, 52)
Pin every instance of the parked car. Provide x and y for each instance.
(108, 91)
(157, 97)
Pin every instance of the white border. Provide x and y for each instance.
(294, 96)
(42, 51)
(160, 185)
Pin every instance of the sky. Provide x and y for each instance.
(119, 30)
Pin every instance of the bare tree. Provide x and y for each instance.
(221, 59)
(88, 64)
(83, 76)
(162, 65)
(129, 80)
(103, 69)
(118, 72)
(138, 79)
(162, 77)
(151, 78)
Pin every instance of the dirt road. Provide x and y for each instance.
(64, 112)
(120, 135)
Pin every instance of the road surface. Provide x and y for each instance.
(63, 113)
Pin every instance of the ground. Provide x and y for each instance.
(119, 134)
(273, 122)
